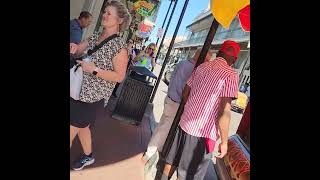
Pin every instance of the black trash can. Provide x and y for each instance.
(135, 95)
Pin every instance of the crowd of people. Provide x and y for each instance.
(205, 92)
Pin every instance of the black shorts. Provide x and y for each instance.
(83, 114)
(189, 154)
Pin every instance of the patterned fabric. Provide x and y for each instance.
(237, 160)
(95, 88)
(209, 82)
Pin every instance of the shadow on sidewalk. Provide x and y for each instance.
(114, 140)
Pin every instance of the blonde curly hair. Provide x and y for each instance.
(122, 12)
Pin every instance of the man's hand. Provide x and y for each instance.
(223, 149)
(87, 67)
(224, 121)
(73, 48)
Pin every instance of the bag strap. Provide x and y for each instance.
(95, 48)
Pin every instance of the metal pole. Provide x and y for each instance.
(165, 19)
(165, 61)
(165, 30)
(164, 35)
(207, 43)
(168, 143)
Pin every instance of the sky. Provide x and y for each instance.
(194, 8)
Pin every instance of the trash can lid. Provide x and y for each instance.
(144, 71)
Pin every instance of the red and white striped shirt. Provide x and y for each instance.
(209, 82)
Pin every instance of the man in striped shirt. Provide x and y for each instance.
(207, 97)
(172, 101)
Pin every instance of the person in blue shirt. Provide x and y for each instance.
(76, 30)
(77, 26)
(172, 101)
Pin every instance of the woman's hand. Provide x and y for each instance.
(73, 48)
(87, 67)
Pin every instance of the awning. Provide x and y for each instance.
(214, 42)
(148, 22)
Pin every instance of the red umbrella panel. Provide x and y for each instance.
(244, 18)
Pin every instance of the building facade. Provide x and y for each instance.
(197, 33)
(95, 8)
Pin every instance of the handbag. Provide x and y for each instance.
(76, 73)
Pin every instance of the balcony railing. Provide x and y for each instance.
(237, 33)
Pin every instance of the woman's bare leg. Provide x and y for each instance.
(85, 139)
(73, 132)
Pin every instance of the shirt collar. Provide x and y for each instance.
(221, 62)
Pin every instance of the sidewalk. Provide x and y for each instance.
(118, 146)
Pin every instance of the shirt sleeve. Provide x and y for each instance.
(176, 70)
(230, 87)
(116, 45)
(190, 80)
(123, 44)
(92, 39)
(75, 34)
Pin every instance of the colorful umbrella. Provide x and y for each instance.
(224, 11)
(244, 18)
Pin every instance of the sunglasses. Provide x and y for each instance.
(151, 48)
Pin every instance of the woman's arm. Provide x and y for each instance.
(120, 62)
